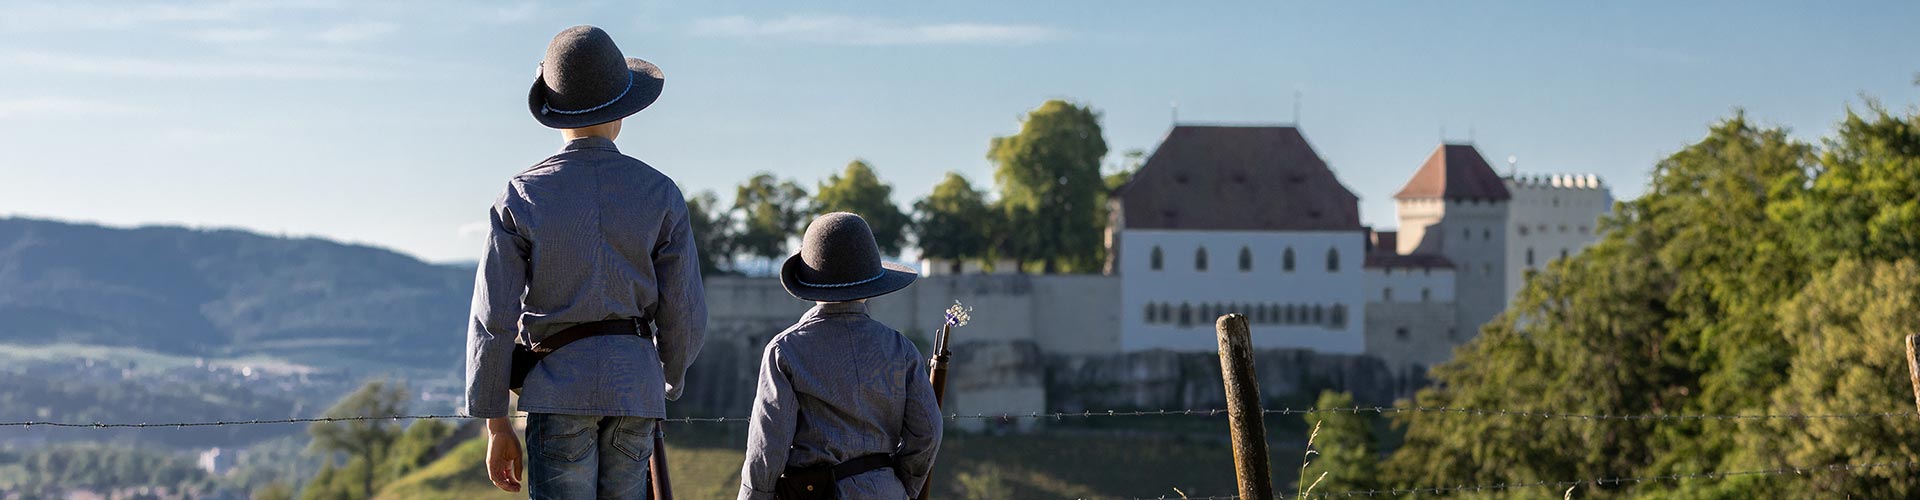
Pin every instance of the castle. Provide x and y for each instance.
(1225, 219)
(1249, 219)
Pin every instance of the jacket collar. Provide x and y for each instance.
(590, 143)
(837, 308)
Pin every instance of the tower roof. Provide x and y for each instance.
(1455, 172)
(1248, 178)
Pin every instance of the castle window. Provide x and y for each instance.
(1486, 234)
(1149, 314)
(1200, 259)
(1155, 260)
(1523, 230)
(1487, 267)
(1246, 259)
(1466, 234)
(1339, 314)
(1563, 228)
(1186, 314)
(1426, 294)
(1166, 312)
(1289, 319)
(1401, 333)
(1563, 253)
(1583, 230)
(1319, 314)
(1333, 260)
(1286, 260)
(1453, 333)
(1386, 294)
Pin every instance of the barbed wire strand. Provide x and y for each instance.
(1201, 412)
(1569, 484)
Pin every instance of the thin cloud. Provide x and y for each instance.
(187, 69)
(474, 229)
(356, 32)
(844, 30)
(232, 36)
(53, 106)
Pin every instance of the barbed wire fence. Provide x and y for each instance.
(1214, 412)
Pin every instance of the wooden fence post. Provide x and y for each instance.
(1913, 367)
(1244, 414)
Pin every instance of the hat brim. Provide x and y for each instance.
(893, 277)
(646, 86)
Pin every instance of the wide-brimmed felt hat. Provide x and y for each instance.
(585, 81)
(839, 262)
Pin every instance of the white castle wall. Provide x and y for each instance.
(1552, 216)
(1282, 304)
(1472, 234)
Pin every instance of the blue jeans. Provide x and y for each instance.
(572, 457)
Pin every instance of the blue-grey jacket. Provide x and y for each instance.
(587, 235)
(837, 386)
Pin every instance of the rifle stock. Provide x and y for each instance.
(937, 375)
(660, 486)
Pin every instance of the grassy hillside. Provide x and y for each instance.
(1061, 463)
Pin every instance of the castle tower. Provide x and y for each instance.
(1457, 206)
(1552, 217)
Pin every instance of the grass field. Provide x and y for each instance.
(1061, 462)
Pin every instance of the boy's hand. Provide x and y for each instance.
(503, 455)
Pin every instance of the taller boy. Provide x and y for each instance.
(594, 244)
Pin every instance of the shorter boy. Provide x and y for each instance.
(844, 403)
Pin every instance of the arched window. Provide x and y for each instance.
(1333, 260)
(1186, 314)
(1155, 260)
(1246, 259)
(1288, 316)
(1200, 259)
(1149, 314)
(1319, 314)
(1166, 312)
(1286, 260)
(1339, 316)
(1206, 312)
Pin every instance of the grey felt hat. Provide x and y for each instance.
(586, 81)
(839, 262)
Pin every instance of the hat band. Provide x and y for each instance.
(883, 274)
(623, 93)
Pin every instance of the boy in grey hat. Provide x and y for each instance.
(843, 404)
(594, 248)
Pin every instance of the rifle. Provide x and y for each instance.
(957, 315)
(660, 486)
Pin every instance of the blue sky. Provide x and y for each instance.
(397, 123)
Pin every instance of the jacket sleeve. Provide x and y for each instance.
(494, 323)
(680, 316)
(775, 410)
(920, 433)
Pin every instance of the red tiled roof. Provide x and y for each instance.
(1261, 178)
(1455, 172)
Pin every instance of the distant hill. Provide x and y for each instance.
(227, 292)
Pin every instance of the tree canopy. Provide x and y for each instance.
(858, 190)
(953, 221)
(770, 211)
(1051, 188)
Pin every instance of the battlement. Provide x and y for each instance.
(1556, 181)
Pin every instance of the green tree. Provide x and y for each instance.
(1845, 329)
(858, 190)
(712, 232)
(1051, 188)
(1345, 458)
(770, 211)
(277, 490)
(1667, 313)
(952, 222)
(1865, 202)
(413, 450)
(365, 441)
